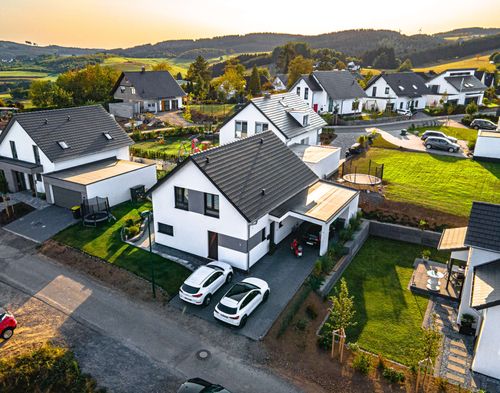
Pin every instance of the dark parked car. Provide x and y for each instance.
(484, 124)
(198, 385)
(435, 142)
(439, 134)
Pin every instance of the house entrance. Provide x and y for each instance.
(20, 181)
(174, 105)
(213, 245)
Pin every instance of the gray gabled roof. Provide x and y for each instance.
(151, 84)
(256, 174)
(339, 84)
(277, 108)
(486, 285)
(404, 84)
(465, 83)
(310, 82)
(484, 226)
(82, 128)
(283, 78)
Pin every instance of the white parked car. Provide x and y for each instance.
(201, 285)
(241, 300)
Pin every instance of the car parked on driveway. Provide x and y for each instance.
(241, 300)
(484, 124)
(201, 285)
(198, 385)
(406, 112)
(439, 143)
(439, 134)
(7, 324)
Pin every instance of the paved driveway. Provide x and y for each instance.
(41, 225)
(283, 272)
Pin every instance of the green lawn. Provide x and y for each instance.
(214, 110)
(105, 242)
(388, 314)
(465, 134)
(170, 146)
(444, 183)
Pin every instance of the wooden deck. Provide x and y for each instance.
(418, 282)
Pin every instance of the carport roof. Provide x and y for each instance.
(453, 239)
(321, 201)
(313, 153)
(96, 171)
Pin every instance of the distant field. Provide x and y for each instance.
(473, 62)
(23, 74)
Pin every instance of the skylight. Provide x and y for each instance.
(401, 88)
(415, 87)
(107, 136)
(63, 145)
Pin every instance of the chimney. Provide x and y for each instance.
(267, 95)
(143, 69)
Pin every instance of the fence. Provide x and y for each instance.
(371, 168)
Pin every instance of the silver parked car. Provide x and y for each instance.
(484, 124)
(439, 134)
(439, 143)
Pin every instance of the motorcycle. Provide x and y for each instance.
(296, 248)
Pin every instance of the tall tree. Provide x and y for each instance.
(297, 67)
(254, 86)
(199, 75)
(42, 93)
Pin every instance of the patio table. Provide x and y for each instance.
(433, 283)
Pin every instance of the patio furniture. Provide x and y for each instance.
(433, 283)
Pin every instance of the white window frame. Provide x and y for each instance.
(306, 93)
(305, 120)
(240, 128)
(261, 127)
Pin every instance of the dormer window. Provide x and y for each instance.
(305, 120)
(132, 89)
(108, 136)
(63, 145)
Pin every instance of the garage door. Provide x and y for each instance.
(66, 198)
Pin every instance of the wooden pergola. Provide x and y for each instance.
(453, 240)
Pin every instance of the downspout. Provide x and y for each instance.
(248, 250)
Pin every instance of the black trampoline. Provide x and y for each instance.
(95, 211)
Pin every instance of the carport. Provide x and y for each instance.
(20, 175)
(322, 204)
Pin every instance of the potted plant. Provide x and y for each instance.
(426, 255)
(466, 324)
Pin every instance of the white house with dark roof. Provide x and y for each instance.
(396, 91)
(232, 202)
(455, 86)
(479, 246)
(70, 154)
(146, 91)
(280, 82)
(331, 92)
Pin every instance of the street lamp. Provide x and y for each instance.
(148, 214)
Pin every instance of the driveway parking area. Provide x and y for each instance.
(282, 271)
(41, 225)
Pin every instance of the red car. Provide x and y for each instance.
(7, 324)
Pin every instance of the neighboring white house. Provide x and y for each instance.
(396, 91)
(232, 202)
(487, 145)
(456, 86)
(146, 91)
(70, 154)
(331, 91)
(280, 82)
(479, 245)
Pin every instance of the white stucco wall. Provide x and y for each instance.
(303, 86)
(117, 188)
(382, 98)
(487, 356)
(486, 146)
(327, 166)
(452, 93)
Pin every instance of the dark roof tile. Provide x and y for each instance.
(484, 226)
(152, 84)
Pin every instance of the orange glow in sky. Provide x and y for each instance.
(124, 23)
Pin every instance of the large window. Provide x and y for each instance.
(212, 205)
(261, 127)
(166, 229)
(240, 129)
(181, 198)
(36, 153)
(306, 93)
(13, 149)
(305, 120)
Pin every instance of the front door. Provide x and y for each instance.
(174, 105)
(20, 181)
(213, 245)
(315, 107)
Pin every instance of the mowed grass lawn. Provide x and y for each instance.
(482, 62)
(104, 242)
(214, 109)
(388, 315)
(444, 183)
(170, 146)
(465, 134)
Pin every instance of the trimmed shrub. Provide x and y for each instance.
(362, 362)
(393, 375)
(133, 231)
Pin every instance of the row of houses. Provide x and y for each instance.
(339, 91)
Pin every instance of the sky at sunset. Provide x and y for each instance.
(124, 23)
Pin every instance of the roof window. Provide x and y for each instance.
(107, 135)
(401, 88)
(63, 145)
(415, 87)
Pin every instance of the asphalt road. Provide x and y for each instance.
(161, 337)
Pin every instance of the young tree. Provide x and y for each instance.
(342, 311)
(405, 65)
(163, 66)
(254, 86)
(297, 67)
(471, 109)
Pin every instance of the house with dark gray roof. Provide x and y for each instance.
(235, 202)
(457, 87)
(146, 91)
(479, 247)
(398, 91)
(69, 154)
(280, 82)
(335, 91)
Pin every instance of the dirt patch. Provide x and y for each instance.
(15, 211)
(297, 355)
(376, 206)
(106, 273)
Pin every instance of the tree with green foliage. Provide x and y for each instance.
(405, 65)
(342, 311)
(340, 65)
(298, 67)
(42, 93)
(471, 109)
(283, 55)
(254, 86)
(163, 66)
(199, 75)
